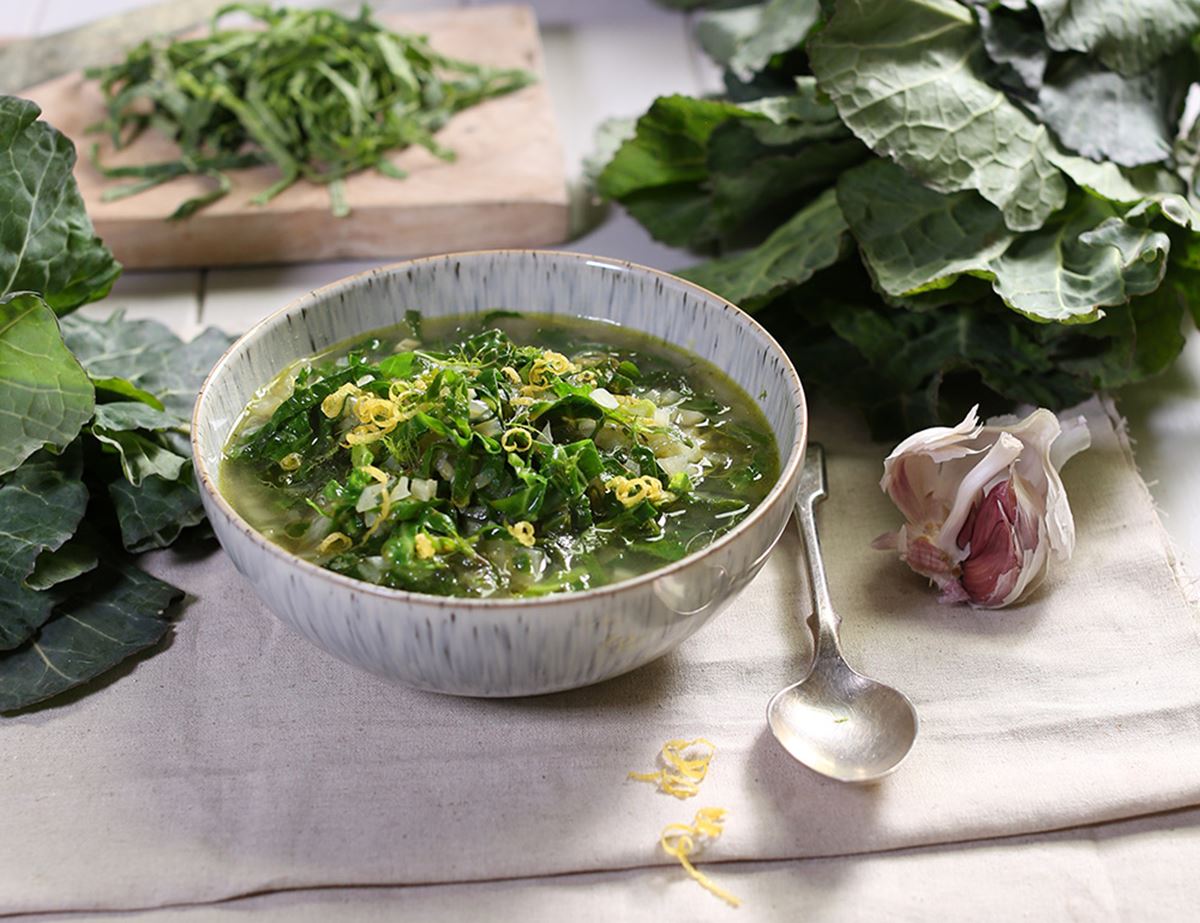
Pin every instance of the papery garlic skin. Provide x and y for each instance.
(985, 507)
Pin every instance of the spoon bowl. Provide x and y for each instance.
(835, 720)
(844, 725)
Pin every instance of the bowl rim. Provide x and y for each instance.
(787, 474)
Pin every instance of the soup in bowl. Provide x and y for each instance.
(501, 473)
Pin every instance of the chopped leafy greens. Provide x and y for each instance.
(934, 203)
(319, 95)
(470, 465)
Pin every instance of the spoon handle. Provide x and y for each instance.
(823, 621)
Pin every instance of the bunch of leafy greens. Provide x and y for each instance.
(474, 466)
(93, 445)
(317, 94)
(932, 202)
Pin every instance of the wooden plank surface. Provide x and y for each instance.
(507, 186)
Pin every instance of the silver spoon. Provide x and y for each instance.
(835, 721)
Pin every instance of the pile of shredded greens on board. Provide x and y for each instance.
(318, 94)
(94, 458)
(933, 203)
(473, 466)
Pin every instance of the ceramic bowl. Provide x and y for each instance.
(483, 647)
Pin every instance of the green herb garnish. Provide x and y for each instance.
(318, 94)
(475, 466)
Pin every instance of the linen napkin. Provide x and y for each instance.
(243, 760)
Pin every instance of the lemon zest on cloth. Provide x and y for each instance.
(523, 532)
(682, 841)
(681, 775)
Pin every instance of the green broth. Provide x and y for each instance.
(502, 456)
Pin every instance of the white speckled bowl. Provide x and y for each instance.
(504, 647)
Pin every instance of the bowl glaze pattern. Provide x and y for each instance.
(485, 647)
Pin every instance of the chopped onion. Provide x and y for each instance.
(604, 398)
(372, 568)
(401, 491)
(662, 417)
(445, 468)
(673, 464)
(586, 427)
(365, 380)
(423, 488)
(490, 428)
(689, 417)
(478, 409)
(369, 498)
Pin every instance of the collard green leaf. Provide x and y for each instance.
(679, 215)
(1109, 181)
(1127, 37)
(114, 612)
(714, 175)
(47, 244)
(75, 558)
(41, 504)
(657, 174)
(668, 146)
(130, 415)
(905, 76)
(1109, 117)
(812, 240)
(1017, 46)
(744, 39)
(25, 610)
(45, 397)
(141, 457)
(913, 238)
(152, 514)
(147, 355)
(606, 141)
(124, 389)
(1085, 258)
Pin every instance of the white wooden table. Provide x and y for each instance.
(612, 58)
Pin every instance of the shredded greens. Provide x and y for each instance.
(318, 94)
(474, 466)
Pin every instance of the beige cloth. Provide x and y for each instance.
(243, 760)
(1134, 871)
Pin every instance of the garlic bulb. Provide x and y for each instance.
(985, 508)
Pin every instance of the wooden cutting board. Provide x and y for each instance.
(507, 187)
